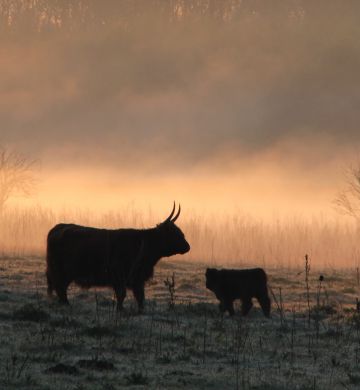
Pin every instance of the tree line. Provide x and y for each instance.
(43, 15)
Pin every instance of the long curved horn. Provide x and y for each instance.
(168, 219)
(177, 215)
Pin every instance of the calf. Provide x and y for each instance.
(230, 284)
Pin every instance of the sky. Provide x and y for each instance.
(258, 112)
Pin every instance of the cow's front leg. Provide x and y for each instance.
(61, 291)
(120, 292)
(139, 295)
(246, 305)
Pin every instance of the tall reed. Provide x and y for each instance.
(236, 240)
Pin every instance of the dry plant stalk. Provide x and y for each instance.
(307, 272)
(279, 305)
(170, 284)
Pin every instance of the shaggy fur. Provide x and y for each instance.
(228, 285)
(120, 259)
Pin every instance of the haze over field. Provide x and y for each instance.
(245, 112)
(220, 105)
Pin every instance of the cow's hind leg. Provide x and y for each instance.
(246, 306)
(139, 295)
(229, 306)
(120, 293)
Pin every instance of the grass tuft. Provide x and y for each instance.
(136, 378)
(62, 369)
(30, 312)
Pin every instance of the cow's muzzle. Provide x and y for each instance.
(185, 249)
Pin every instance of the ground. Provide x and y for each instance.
(310, 342)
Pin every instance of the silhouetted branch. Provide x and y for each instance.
(16, 175)
(347, 200)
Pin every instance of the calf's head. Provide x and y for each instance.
(211, 278)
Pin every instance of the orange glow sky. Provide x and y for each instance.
(273, 183)
(258, 113)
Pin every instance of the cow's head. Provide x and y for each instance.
(173, 241)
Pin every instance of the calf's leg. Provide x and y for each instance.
(139, 295)
(265, 304)
(120, 292)
(222, 306)
(61, 292)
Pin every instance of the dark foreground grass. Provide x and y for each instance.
(181, 341)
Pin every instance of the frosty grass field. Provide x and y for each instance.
(180, 341)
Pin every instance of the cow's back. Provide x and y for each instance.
(91, 255)
(239, 283)
(75, 251)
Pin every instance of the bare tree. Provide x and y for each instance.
(17, 175)
(347, 200)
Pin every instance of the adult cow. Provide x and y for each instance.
(119, 258)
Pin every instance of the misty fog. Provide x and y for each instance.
(241, 104)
